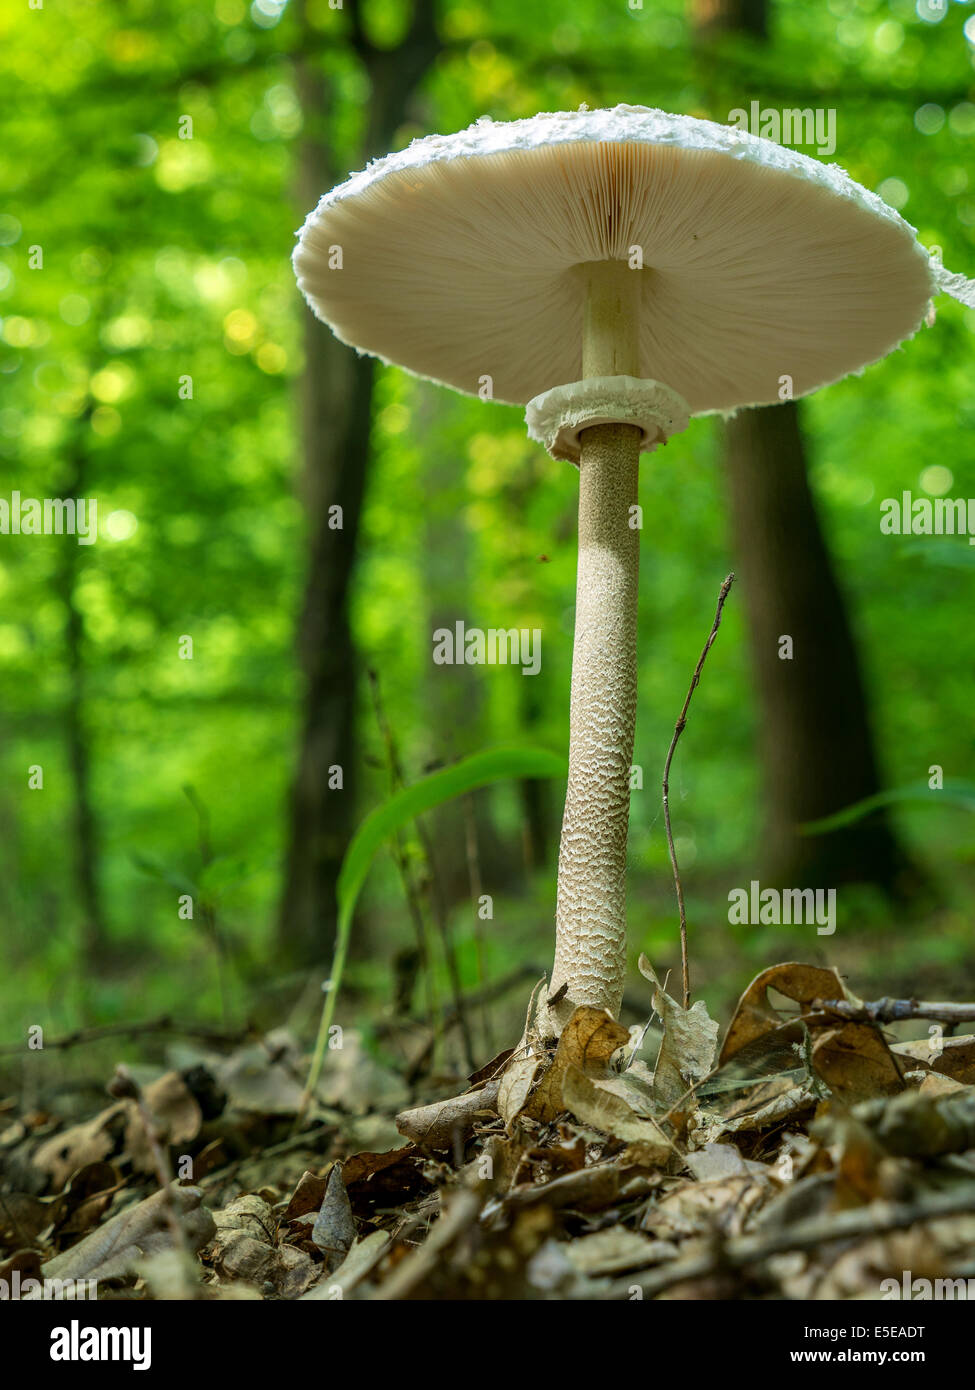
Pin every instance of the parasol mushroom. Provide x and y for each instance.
(617, 272)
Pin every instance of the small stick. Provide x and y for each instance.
(875, 1219)
(894, 1010)
(165, 1024)
(678, 730)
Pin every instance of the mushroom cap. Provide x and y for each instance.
(461, 256)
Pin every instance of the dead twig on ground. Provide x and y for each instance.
(163, 1024)
(878, 1218)
(897, 1010)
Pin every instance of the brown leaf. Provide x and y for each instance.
(306, 1197)
(361, 1167)
(588, 1041)
(85, 1200)
(689, 1043)
(516, 1083)
(446, 1122)
(755, 1016)
(334, 1229)
(599, 1104)
(22, 1218)
(954, 1057)
(80, 1145)
(856, 1063)
(177, 1114)
(591, 1189)
(491, 1071)
(110, 1251)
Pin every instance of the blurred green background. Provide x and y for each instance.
(166, 258)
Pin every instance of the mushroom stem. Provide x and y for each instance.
(590, 949)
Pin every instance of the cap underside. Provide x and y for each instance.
(465, 268)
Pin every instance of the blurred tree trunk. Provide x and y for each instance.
(85, 831)
(816, 735)
(336, 406)
(456, 693)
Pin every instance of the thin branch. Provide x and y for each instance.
(678, 730)
(875, 1219)
(894, 1010)
(136, 1030)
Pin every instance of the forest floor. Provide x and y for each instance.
(813, 1147)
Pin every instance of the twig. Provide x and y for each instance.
(303, 1138)
(894, 1010)
(165, 1024)
(463, 1211)
(875, 1219)
(678, 730)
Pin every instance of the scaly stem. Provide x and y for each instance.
(590, 950)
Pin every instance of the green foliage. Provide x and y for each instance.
(479, 770)
(961, 794)
(167, 257)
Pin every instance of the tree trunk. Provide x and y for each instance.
(816, 735)
(336, 406)
(86, 837)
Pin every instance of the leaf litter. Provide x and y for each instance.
(810, 1154)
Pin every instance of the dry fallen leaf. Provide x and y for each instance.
(446, 1122)
(598, 1104)
(334, 1228)
(111, 1251)
(755, 1016)
(856, 1063)
(689, 1043)
(587, 1044)
(954, 1057)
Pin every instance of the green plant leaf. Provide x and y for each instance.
(953, 793)
(479, 770)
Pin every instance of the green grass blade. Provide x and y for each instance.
(953, 793)
(479, 770)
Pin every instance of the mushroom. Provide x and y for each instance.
(617, 272)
